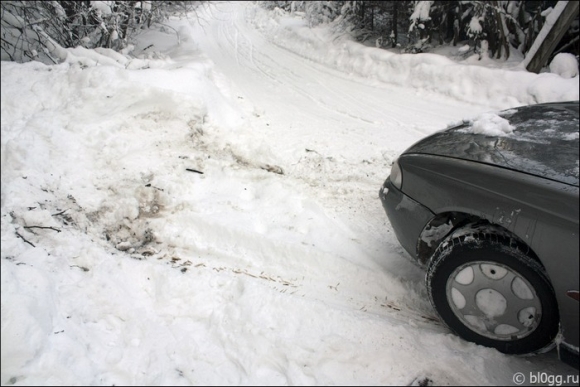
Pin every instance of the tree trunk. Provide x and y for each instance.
(550, 40)
(395, 24)
(502, 38)
(130, 19)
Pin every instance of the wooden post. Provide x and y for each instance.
(542, 54)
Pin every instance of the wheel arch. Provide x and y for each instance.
(449, 223)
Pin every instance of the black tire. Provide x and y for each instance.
(475, 285)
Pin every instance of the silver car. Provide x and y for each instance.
(489, 208)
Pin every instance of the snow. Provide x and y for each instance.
(489, 124)
(565, 65)
(207, 213)
(458, 298)
(102, 6)
(491, 303)
(421, 11)
(475, 27)
(521, 289)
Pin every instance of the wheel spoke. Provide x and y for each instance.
(468, 292)
(515, 304)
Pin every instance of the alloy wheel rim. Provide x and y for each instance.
(493, 300)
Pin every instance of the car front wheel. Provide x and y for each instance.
(490, 292)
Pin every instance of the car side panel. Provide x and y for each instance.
(541, 212)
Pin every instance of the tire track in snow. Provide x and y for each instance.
(338, 295)
(263, 61)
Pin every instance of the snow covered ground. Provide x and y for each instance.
(208, 214)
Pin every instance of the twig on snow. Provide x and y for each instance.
(43, 227)
(24, 239)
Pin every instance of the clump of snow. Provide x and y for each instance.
(475, 25)
(464, 48)
(565, 65)
(102, 6)
(505, 329)
(521, 289)
(458, 298)
(421, 11)
(490, 124)
(491, 302)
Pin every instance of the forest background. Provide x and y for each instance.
(39, 30)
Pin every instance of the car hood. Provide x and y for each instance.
(540, 140)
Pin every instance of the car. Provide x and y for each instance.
(488, 207)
